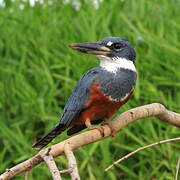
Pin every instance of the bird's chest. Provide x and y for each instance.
(117, 86)
(107, 94)
(102, 106)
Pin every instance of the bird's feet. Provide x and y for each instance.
(98, 127)
(109, 123)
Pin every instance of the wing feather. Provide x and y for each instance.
(76, 102)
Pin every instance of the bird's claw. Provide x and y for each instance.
(109, 123)
(99, 128)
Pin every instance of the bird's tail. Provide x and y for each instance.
(58, 129)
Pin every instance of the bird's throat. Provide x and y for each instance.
(115, 63)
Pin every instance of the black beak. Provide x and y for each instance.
(91, 48)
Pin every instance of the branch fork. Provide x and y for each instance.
(71, 162)
(48, 158)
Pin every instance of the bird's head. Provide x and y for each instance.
(112, 51)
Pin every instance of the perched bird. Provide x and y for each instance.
(101, 91)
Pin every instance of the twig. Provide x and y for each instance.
(72, 162)
(66, 171)
(26, 174)
(91, 136)
(177, 168)
(140, 149)
(50, 163)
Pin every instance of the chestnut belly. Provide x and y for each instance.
(99, 110)
(99, 106)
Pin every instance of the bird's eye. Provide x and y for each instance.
(116, 46)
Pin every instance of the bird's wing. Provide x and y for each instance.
(76, 102)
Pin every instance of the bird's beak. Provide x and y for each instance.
(91, 48)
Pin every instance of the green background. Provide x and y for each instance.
(38, 72)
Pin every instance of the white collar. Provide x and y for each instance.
(113, 64)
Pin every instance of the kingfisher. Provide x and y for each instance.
(101, 91)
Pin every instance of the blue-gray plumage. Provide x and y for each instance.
(79, 96)
(101, 90)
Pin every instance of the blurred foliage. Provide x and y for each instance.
(38, 72)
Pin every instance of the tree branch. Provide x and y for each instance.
(50, 163)
(26, 174)
(72, 162)
(66, 171)
(155, 109)
(140, 149)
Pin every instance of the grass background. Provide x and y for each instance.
(38, 72)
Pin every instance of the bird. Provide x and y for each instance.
(101, 91)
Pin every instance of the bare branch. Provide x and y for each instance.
(177, 168)
(66, 171)
(72, 162)
(94, 135)
(26, 174)
(140, 149)
(50, 163)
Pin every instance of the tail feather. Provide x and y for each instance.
(50, 136)
(75, 129)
